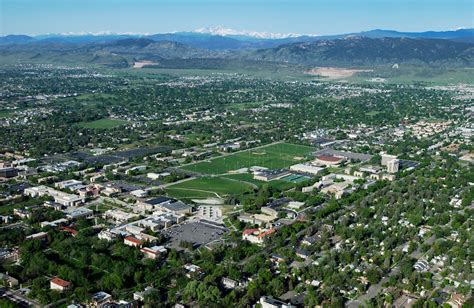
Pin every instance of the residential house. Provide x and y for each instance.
(59, 284)
(100, 298)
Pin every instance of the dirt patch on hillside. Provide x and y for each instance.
(334, 72)
(141, 64)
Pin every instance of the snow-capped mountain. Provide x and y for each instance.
(219, 30)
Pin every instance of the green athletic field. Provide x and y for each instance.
(208, 187)
(103, 123)
(274, 156)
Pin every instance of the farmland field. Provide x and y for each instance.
(103, 123)
(274, 156)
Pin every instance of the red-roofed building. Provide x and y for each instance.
(131, 241)
(250, 231)
(256, 236)
(71, 231)
(328, 160)
(153, 252)
(59, 284)
(263, 234)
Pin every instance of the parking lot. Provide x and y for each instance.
(197, 232)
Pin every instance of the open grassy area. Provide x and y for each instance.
(184, 193)
(5, 114)
(103, 123)
(207, 187)
(372, 113)
(247, 177)
(274, 156)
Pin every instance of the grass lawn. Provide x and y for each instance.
(5, 114)
(275, 156)
(101, 208)
(7, 209)
(372, 113)
(247, 177)
(207, 187)
(184, 193)
(103, 123)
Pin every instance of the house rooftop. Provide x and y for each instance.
(101, 296)
(60, 282)
(132, 239)
(249, 231)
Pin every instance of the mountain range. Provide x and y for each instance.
(227, 39)
(376, 47)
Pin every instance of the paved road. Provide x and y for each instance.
(17, 224)
(19, 299)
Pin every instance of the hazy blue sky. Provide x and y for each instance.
(283, 16)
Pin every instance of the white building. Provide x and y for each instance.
(210, 211)
(139, 193)
(59, 196)
(153, 252)
(306, 168)
(256, 236)
(119, 215)
(386, 158)
(393, 166)
(268, 302)
(59, 284)
(107, 235)
(69, 184)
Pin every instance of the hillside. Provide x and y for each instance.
(362, 51)
(119, 53)
(350, 51)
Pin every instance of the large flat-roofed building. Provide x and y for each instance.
(347, 155)
(268, 175)
(119, 215)
(59, 196)
(8, 172)
(306, 168)
(268, 302)
(153, 252)
(69, 184)
(152, 204)
(175, 207)
(210, 211)
(393, 166)
(386, 158)
(80, 212)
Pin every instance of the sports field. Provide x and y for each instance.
(294, 178)
(208, 187)
(103, 123)
(274, 156)
(248, 178)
